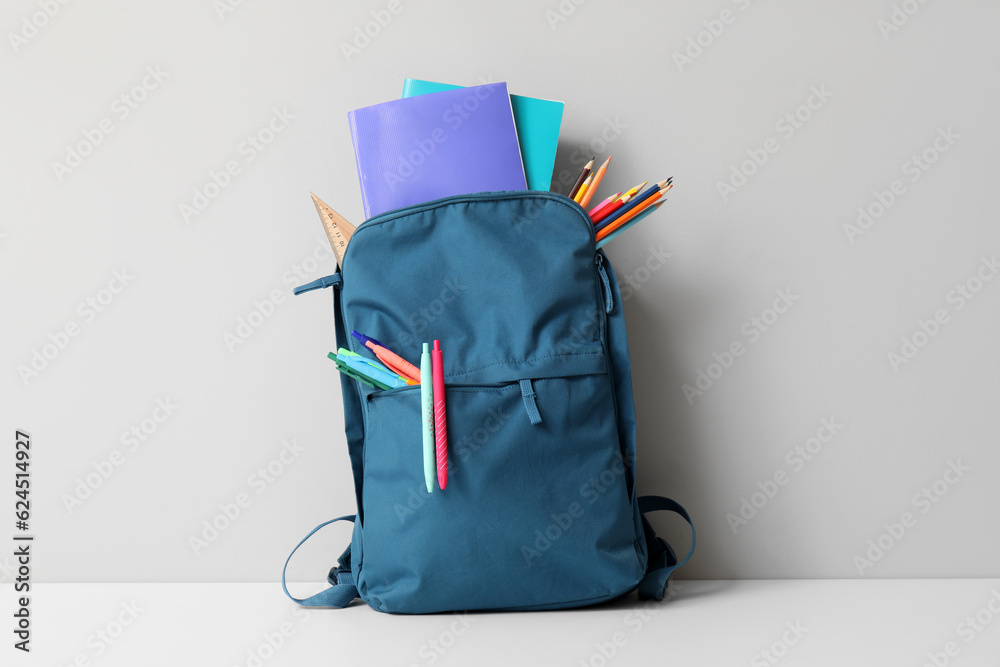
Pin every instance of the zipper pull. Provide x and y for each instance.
(528, 394)
(333, 280)
(609, 303)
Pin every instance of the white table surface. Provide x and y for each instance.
(837, 622)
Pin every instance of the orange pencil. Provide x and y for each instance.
(610, 229)
(585, 199)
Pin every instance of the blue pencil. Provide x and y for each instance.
(630, 223)
(631, 205)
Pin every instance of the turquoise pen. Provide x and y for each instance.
(427, 413)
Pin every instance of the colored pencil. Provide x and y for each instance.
(582, 192)
(621, 201)
(583, 175)
(607, 202)
(635, 201)
(628, 225)
(625, 217)
(611, 208)
(631, 192)
(585, 200)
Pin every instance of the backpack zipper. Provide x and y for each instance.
(609, 303)
(457, 385)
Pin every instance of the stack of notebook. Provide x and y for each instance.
(441, 140)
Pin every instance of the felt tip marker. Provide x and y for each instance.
(396, 363)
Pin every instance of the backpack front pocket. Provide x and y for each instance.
(537, 498)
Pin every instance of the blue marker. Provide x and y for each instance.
(369, 367)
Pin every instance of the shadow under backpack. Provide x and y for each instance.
(540, 509)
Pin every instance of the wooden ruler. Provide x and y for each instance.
(338, 229)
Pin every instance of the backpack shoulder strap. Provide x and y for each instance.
(662, 560)
(342, 590)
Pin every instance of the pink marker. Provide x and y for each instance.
(440, 419)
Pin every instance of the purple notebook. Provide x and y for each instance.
(417, 149)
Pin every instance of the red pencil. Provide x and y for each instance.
(611, 208)
(600, 207)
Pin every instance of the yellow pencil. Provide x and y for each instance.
(585, 200)
(632, 192)
(583, 175)
(584, 188)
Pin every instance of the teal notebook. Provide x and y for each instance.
(537, 124)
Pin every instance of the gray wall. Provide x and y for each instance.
(170, 288)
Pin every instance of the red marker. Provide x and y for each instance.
(440, 419)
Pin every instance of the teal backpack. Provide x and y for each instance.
(540, 509)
